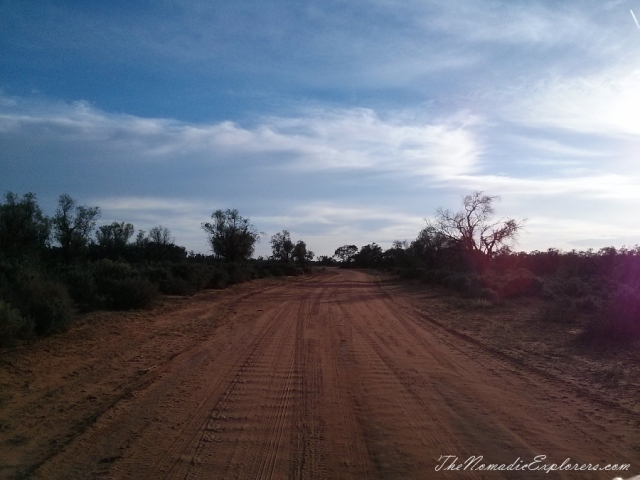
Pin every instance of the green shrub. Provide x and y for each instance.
(573, 287)
(265, 273)
(434, 276)
(131, 293)
(589, 304)
(13, 326)
(619, 321)
(176, 286)
(45, 301)
(108, 272)
(81, 285)
(512, 283)
(218, 278)
(277, 271)
(411, 273)
(156, 274)
(560, 309)
(195, 275)
(238, 273)
(466, 284)
(488, 294)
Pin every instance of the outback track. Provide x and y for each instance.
(321, 377)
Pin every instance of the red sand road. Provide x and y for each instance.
(321, 377)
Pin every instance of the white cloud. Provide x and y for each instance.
(600, 186)
(319, 140)
(414, 162)
(606, 104)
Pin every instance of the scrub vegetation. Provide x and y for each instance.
(52, 268)
(471, 253)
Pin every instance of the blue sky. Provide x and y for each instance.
(341, 121)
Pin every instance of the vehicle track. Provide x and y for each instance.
(319, 377)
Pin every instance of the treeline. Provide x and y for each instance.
(470, 252)
(53, 267)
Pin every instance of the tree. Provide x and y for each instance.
(346, 253)
(282, 246)
(72, 226)
(112, 239)
(474, 230)
(23, 227)
(433, 248)
(300, 253)
(326, 260)
(160, 235)
(158, 246)
(231, 236)
(369, 256)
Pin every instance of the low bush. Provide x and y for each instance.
(81, 285)
(560, 309)
(238, 272)
(619, 321)
(218, 278)
(466, 284)
(156, 274)
(411, 273)
(195, 275)
(576, 287)
(46, 302)
(13, 325)
(512, 283)
(176, 286)
(131, 294)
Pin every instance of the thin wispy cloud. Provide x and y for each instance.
(635, 19)
(338, 139)
(603, 104)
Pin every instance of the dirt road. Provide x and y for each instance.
(325, 376)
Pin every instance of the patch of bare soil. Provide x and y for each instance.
(521, 331)
(328, 376)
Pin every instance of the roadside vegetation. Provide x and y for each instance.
(471, 253)
(53, 268)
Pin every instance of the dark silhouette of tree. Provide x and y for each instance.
(72, 226)
(346, 253)
(300, 253)
(282, 246)
(369, 256)
(112, 239)
(398, 255)
(231, 236)
(160, 235)
(326, 260)
(473, 228)
(433, 249)
(141, 238)
(23, 227)
(158, 246)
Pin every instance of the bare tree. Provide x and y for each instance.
(473, 229)
(72, 225)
